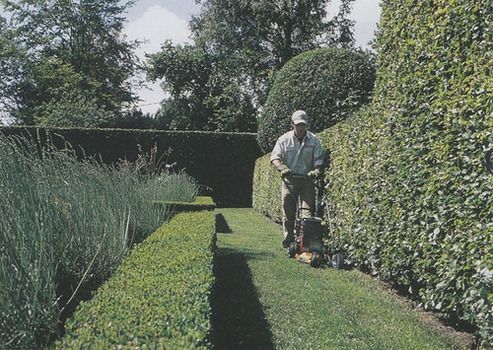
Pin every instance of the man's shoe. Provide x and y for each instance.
(286, 243)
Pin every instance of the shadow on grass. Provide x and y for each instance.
(238, 320)
(222, 225)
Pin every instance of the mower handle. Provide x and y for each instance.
(300, 177)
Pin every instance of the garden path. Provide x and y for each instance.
(263, 300)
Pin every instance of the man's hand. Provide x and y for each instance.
(284, 170)
(315, 173)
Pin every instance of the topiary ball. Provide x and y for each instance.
(330, 84)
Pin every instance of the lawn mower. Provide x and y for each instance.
(308, 245)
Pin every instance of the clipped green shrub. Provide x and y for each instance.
(200, 203)
(222, 162)
(159, 296)
(329, 84)
(266, 194)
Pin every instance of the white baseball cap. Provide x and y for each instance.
(299, 117)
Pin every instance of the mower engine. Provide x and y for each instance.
(311, 234)
(308, 246)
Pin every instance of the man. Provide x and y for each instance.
(297, 152)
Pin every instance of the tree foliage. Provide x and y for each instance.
(272, 30)
(11, 57)
(237, 47)
(205, 92)
(330, 84)
(84, 38)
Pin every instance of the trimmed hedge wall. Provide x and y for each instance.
(266, 197)
(159, 296)
(409, 195)
(221, 161)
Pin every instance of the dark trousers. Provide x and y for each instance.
(292, 191)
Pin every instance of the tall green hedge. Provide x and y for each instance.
(223, 162)
(409, 196)
(412, 200)
(329, 84)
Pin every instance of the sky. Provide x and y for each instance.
(155, 21)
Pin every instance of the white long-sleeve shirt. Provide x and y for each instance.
(299, 157)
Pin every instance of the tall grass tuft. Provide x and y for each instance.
(65, 224)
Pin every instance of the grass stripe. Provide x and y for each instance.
(297, 306)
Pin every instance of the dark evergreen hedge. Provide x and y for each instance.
(329, 84)
(222, 161)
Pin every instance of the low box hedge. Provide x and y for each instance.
(159, 296)
(200, 203)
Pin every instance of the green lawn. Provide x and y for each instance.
(263, 300)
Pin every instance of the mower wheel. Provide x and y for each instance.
(314, 262)
(292, 249)
(338, 261)
(325, 254)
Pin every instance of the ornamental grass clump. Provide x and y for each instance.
(65, 227)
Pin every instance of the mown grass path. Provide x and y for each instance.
(263, 300)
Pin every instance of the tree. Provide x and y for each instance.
(134, 119)
(51, 94)
(264, 34)
(204, 94)
(187, 70)
(238, 46)
(276, 30)
(179, 114)
(85, 35)
(11, 58)
(232, 110)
